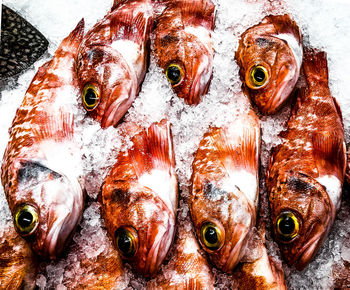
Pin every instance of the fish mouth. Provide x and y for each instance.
(239, 236)
(159, 249)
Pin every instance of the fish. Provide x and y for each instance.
(21, 43)
(269, 57)
(139, 199)
(188, 267)
(18, 264)
(42, 164)
(306, 172)
(225, 189)
(261, 273)
(183, 46)
(113, 60)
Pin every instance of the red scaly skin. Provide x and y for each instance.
(274, 43)
(113, 58)
(306, 172)
(183, 37)
(41, 133)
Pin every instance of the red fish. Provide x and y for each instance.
(139, 199)
(187, 269)
(306, 172)
(42, 163)
(17, 261)
(270, 56)
(184, 48)
(225, 189)
(113, 60)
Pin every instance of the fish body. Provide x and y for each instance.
(21, 43)
(306, 172)
(224, 195)
(270, 56)
(139, 199)
(113, 60)
(188, 268)
(41, 164)
(18, 264)
(184, 48)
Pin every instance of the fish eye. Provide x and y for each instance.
(211, 236)
(287, 226)
(174, 74)
(126, 240)
(257, 77)
(26, 220)
(91, 97)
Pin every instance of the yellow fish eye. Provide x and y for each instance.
(174, 74)
(91, 97)
(126, 240)
(287, 226)
(211, 236)
(26, 220)
(257, 77)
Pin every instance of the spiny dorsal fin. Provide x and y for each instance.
(329, 153)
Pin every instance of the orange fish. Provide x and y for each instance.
(17, 262)
(262, 273)
(306, 172)
(270, 56)
(184, 48)
(42, 162)
(113, 60)
(139, 199)
(225, 189)
(188, 267)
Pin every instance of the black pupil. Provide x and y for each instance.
(90, 97)
(211, 235)
(174, 73)
(259, 75)
(25, 219)
(287, 225)
(124, 243)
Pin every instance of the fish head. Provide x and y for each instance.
(46, 207)
(187, 64)
(141, 225)
(223, 221)
(269, 67)
(302, 214)
(107, 85)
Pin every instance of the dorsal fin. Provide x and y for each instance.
(329, 153)
(315, 66)
(71, 43)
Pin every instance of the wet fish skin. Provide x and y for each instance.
(18, 264)
(183, 37)
(306, 172)
(139, 197)
(21, 43)
(41, 136)
(113, 59)
(188, 268)
(225, 187)
(276, 45)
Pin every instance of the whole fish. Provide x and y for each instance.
(17, 262)
(188, 267)
(42, 163)
(306, 172)
(139, 199)
(262, 273)
(270, 56)
(184, 48)
(113, 60)
(225, 189)
(21, 43)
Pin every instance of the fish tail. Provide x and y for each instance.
(315, 65)
(153, 149)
